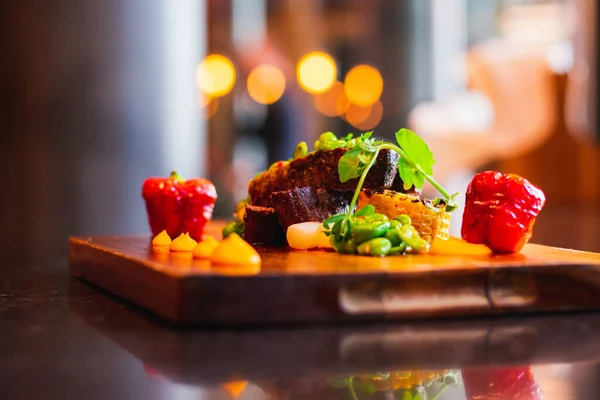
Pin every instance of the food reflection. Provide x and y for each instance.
(515, 383)
(497, 383)
(405, 385)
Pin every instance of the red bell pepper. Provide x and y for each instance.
(500, 211)
(179, 206)
(516, 383)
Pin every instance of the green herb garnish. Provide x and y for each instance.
(415, 165)
(237, 225)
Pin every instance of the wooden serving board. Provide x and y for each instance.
(317, 286)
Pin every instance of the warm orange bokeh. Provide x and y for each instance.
(364, 85)
(234, 388)
(203, 99)
(364, 118)
(356, 114)
(333, 102)
(211, 108)
(266, 84)
(215, 75)
(373, 119)
(316, 72)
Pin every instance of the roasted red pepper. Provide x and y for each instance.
(516, 383)
(500, 211)
(179, 206)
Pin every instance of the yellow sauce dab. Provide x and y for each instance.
(161, 242)
(183, 243)
(457, 247)
(235, 251)
(206, 248)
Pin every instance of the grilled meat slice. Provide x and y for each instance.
(306, 204)
(262, 227)
(320, 170)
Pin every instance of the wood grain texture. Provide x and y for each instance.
(293, 286)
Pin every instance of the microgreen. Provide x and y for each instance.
(415, 164)
(417, 161)
(369, 209)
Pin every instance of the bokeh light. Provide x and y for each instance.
(211, 108)
(334, 101)
(357, 114)
(234, 388)
(215, 75)
(364, 85)
(364, 118)
(203, 99)
(266, 84)
(316, 72)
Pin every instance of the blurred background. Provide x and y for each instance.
(97, 95)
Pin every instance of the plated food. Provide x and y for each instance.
(366, 193)
(475, 383)
(414, 384)
(353, 195)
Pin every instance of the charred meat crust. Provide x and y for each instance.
(262, 226)
(320, 170)
(308, 204)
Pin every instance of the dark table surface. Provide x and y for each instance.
(61, 338)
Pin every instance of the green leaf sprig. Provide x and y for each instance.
(415, 164)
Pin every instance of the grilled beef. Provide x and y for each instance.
(320, 170)
(262, 226)
(309, 189)
(308, 204)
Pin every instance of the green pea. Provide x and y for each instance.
(328, 141)
(300, 151)
(326, 145)
(375, 217)
(367, 231)
(400, 249)
(233, 227)
(395, 224)
(241, 205)
(411, 237)
(375, 247)
(328, 137)
(393, 236)
(403, 219)
(343, 246)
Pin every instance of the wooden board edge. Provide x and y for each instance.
(126, 278)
